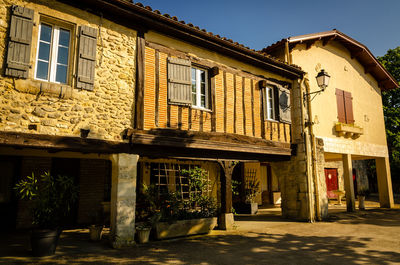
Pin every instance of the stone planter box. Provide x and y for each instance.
(185, 227)
(347, 130)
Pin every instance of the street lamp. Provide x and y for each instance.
(322, 81)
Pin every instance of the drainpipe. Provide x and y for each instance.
(287, 53)
(313, 150)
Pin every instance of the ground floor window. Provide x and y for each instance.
(169, 177)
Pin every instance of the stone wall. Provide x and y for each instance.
(62, 109)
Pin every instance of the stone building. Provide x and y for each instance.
(347, 118)
(121, 95)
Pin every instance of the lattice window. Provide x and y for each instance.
(167, 177)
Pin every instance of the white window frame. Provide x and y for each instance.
(54, 44)
(198, 88)
(270, 103)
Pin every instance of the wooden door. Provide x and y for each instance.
(331, 176)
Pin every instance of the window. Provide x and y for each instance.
(168, 178)
(270, 103)
(188, 84)
(53, 53)
(56, 41)
(199, 88)
(344, 102)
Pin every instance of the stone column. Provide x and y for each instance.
(348, 182)
(123, 199)
(384, 182)
(226, 219)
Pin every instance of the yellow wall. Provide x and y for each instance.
(346, 74)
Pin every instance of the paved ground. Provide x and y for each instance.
(364, 237)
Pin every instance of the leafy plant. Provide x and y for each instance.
(52, 197)
(251, 190)
(235, 187)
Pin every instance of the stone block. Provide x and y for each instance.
(226, 221)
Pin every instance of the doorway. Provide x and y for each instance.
(331, 177)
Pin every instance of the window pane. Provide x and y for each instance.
(203, 101)
(42, 70)
(203, 88)
(45, 32)
(61, 74)
(194, 99)
(64, 38)
(202, 76)
(193, 74)
(62, 55)
(44, 51)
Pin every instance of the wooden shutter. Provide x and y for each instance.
(348, 106)
(340, 105)
(179, 81)
(284, 105)
(86, 57)
(19, 44)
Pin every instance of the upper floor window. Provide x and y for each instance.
(53, 53)
(56, 42)
(199, 88)
(270, 103)
(188, 84)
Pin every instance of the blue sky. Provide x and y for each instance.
(257, 23)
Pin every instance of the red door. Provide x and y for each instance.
(331, 177)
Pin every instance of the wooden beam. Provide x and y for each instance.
(139, 95)
(212, 89)
(234, 104)
(62, 143)
(325, 41)
(252, 108)
(243, 105)
(225, 103)
(157, 92)
(356, 53)
(369, 67)
(226, 185)
(310, 43)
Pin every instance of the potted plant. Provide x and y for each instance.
(96, 227)
(251, 192)
(53, 198)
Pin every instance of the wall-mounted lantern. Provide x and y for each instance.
(322, 81)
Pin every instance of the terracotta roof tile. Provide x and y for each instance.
(230, 41)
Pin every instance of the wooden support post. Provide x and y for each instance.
(384, 182)
(139, 95)
(348, 182)
(226, 219)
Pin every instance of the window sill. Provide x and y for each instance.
(199, 108)
(276, 121)
(37, 87)
(349, 130)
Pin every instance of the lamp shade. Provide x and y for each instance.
(323, 79)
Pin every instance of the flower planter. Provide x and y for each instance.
(185, 227)
(246, 208)
(44, 241)
(95, 232)
(361, 202)
(143, 235)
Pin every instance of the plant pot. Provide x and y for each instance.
(44, 241)
(185, 227)
(361, 202)
(143, 235)
(95, 232)
(246, 208)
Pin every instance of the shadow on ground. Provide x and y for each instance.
(274, 247)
